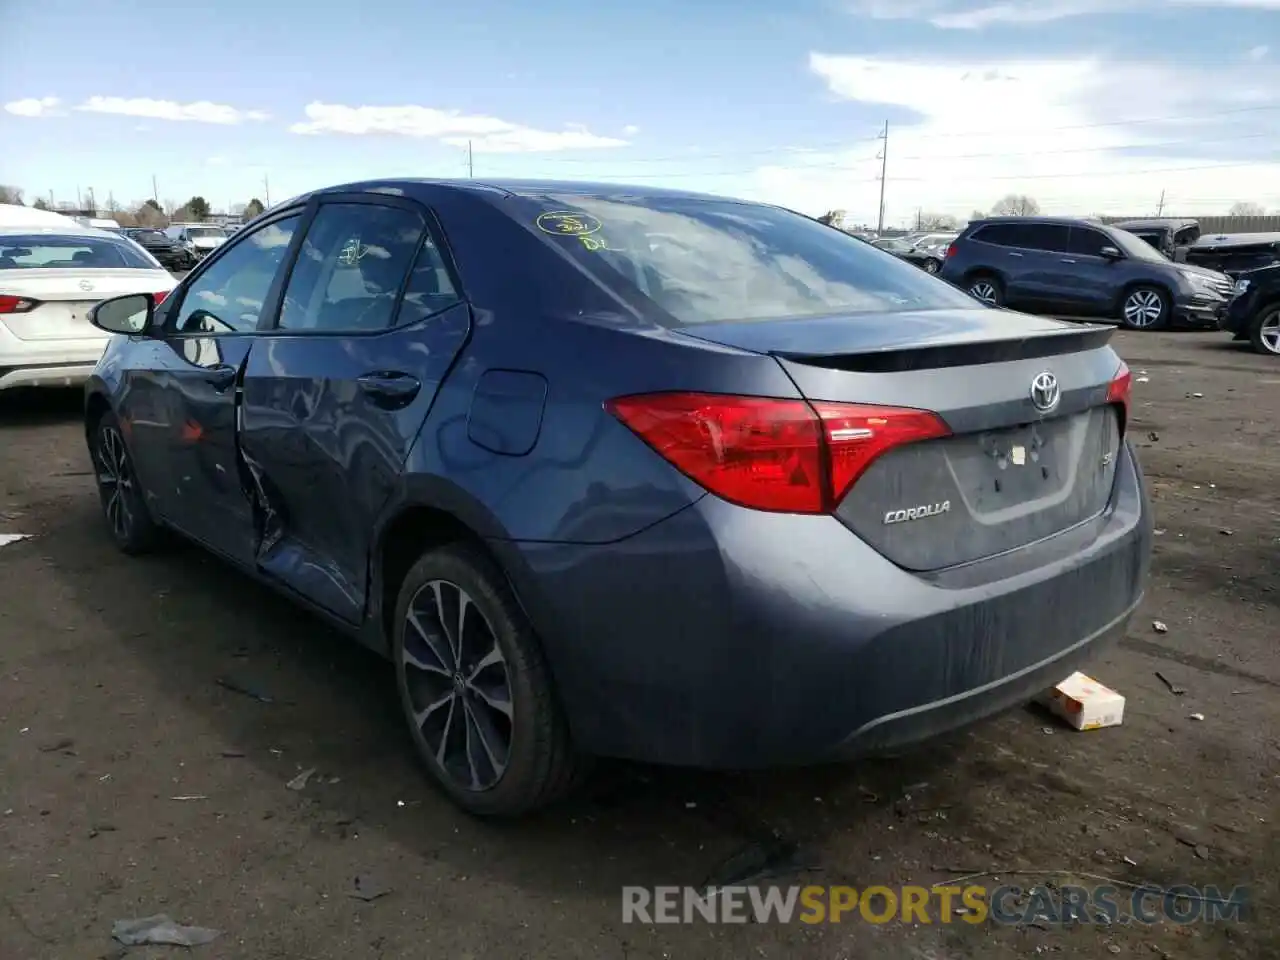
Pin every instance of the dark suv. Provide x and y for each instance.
(1254, 314)
(1082, 268)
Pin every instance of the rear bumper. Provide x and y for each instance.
(725, 637)
(47, 363)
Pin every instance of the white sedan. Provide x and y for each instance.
(49, 278)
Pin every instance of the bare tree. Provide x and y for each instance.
(11, 195)
(41, 203)
(977, 215)
(934, 222)
(252, 209)
(1246, 208)
(832, 218)
(1016, 205)
(149, 214)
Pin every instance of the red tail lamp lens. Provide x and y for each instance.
(785, 456)
(1120, 390)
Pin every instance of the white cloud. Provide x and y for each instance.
(485, 134)
(201, 111)
(1053, 129)
(976, 14)
(33, 107)
(630, 130)
(1258, 53)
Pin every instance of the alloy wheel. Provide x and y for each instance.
(931, 266)
(459, 685)
(985, 291)
(115, 481)
(1269, 333)
(1143, 308)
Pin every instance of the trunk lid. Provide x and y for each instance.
(1010, 474)
(62, 310)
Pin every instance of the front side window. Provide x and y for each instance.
(1086, 242)
(230, 295)
(704, 261)
(353, 262)
(65, 252)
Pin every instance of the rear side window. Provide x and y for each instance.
(353, 262)
(1000, 234)
(704, 261)
(1051, 237)
(55, 252)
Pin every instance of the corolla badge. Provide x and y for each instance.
(907, 514)
(86, 285)
(1045, 392)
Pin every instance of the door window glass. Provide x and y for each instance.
(1051, 237)
(430, 290)
(353, 262)
(229, 296)
(1089, 243)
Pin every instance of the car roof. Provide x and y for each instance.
(1050, 221)
(56, 230)
(513, 187)
(1171, 223)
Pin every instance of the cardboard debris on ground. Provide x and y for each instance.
(8, 538)
(1084, 703)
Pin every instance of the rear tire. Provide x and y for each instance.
(932, 267)
(123, 505)
(987, 289)
(1264, 332)
(1144, 308)
(476, 690)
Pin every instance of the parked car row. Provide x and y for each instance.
(1082, 268)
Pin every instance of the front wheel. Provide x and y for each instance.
(123, 505)
(932, 266)
(1265, 332)
(1145, 308)
(475, 688)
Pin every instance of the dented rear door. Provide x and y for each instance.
(335, 395)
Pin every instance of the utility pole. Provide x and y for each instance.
(155, 193)
(1160, 208)
(471, 170)
(884, 167)
(266, 191)
(93, 204)
(79, 199)
(51, 203)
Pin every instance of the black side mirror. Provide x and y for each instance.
(131, 314)
(1110, 253)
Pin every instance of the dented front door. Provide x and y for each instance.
(206, 496)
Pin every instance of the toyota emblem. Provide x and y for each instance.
(86, 286)
(1045, 393)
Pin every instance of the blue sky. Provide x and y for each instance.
(1087, 106)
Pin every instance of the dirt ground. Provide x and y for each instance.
(133, 783)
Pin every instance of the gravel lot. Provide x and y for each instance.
(132, 782)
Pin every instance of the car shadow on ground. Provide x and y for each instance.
(215, 640)
(26, 407)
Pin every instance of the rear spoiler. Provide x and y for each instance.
(931, 356)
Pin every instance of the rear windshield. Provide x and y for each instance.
(704, 261)
(42, 251)
(205, 232)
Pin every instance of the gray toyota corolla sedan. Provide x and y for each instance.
(627, 472)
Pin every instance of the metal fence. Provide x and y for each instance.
(1269, 223)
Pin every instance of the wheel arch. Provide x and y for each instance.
(427, 512)
(96, 405)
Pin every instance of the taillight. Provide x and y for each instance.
(951, 250)
(786, 456)
(159, 297)
(10, 304)
(1120, 391)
